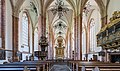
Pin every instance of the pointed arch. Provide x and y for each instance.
(17, 7)
(100, 4)
(102, 7)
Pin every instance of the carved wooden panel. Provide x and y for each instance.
(117, 35)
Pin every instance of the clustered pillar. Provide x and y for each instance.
(78, 37)
(15, 37)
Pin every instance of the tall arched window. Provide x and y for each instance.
(25, 32)
(92, 35)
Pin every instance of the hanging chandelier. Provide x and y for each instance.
(59, 8)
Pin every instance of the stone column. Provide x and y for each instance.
(44, 26)
(70, 47)
(80, 35)
(87, 40)
(0, 17)
(33, 43)
(41, 28)
(67, 46)
(15, 37)
(50, 44)
(2, 23)
(78, 39)
(104, 21)
(50, 48)
(53, 43)
(29, 35)
(75, 37)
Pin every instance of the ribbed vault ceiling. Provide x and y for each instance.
(43, 7)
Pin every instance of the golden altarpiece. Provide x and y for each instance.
(59, 49)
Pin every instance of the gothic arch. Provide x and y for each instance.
(101, 6)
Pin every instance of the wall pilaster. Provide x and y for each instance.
(78, 37)
(104, 21)
(2, 24)
(75, 38)
(15, 37)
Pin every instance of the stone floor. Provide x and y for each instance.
(60, 68)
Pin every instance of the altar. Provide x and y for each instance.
(60, 53)
(60, 48)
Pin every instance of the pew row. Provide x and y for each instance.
(20, 66)
(89, 66)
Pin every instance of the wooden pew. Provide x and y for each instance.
(101, 65)
(20, 66)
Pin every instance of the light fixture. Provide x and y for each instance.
(59, 8)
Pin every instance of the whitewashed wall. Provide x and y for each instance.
(95, 29)
(8, 30)
(8, 27)
(83, 43)
(35, 40)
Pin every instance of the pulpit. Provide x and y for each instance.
(43, 53)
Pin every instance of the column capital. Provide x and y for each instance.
(15, 16)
